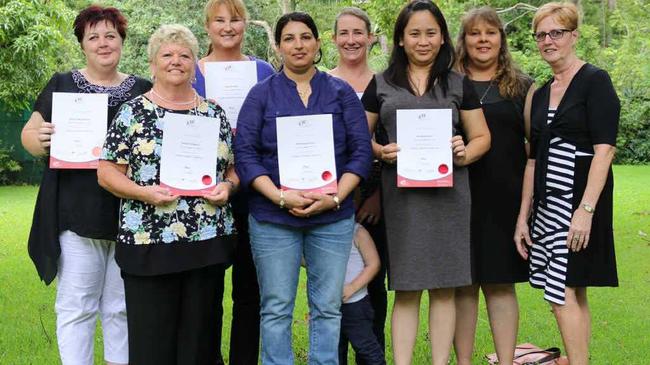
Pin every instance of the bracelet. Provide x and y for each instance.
(281, 204)
(337, 201)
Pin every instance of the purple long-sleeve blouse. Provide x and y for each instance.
(256, 140)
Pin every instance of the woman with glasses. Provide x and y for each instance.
(568, 182)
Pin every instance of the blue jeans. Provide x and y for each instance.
(277, 251)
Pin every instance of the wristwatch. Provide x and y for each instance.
(337, 201)
(281, 204)
(588, 208)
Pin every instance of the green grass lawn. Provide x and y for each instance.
(621, 317)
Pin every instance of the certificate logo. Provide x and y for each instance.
(206, 180)
(190, 122)
(422, 116)
(443, 169)
(326, 175)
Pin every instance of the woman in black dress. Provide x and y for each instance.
(75, 221)
(495, 184)
(568, 181)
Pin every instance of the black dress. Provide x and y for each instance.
(495, 183)
(562, 146)
(72, 199)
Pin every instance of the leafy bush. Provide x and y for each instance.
(8, 166)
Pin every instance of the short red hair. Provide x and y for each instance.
(95, 14)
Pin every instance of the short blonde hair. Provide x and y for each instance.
(236, 7)
(175, 34)
(565, 13)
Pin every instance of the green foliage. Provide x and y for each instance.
(8, 166)
(36, 39)
(33, 44)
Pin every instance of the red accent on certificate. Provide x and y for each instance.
(80, 123)
(188, 162)
(425, 158)
(306, 153)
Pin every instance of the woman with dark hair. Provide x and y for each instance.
(287, 224)
(495, 182)
(75, 220)
(427, 229)
(225, 23)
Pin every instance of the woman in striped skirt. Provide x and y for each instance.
(568, 183)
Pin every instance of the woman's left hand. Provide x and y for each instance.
(322, 203)
(219, 196)
(458, 149)
(579, 231)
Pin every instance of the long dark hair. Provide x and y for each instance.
(297, 16)
(397, 72)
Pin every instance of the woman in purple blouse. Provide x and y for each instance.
(286, 225)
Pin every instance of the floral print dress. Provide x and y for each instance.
(135, 139)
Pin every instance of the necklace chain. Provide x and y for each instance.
(486, 91)
(153, 92)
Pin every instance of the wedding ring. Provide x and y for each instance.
(575, 239)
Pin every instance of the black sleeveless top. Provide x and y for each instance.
(72, 199)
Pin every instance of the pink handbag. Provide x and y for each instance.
(529, 354)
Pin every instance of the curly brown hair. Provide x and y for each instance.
(511, 80)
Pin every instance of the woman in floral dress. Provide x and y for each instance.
(169, 247)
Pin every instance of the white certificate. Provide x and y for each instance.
(306, 153)
(425, 158)
(188, 163)
(80, 122)
(228, 83)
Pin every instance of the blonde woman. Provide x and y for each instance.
(170, 248)
(225, 23)
(353, 38)
(495, 182)
(568, 183)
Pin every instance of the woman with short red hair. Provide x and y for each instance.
(75, 220)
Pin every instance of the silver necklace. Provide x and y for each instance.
(485, 93)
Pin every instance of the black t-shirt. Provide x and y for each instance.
(82, 206)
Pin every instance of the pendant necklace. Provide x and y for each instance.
(485, 93)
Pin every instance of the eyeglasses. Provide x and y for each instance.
(554, 34)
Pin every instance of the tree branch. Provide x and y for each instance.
(273, 54)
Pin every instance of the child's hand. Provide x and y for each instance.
(348, 291)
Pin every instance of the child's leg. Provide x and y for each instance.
(358, 320)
